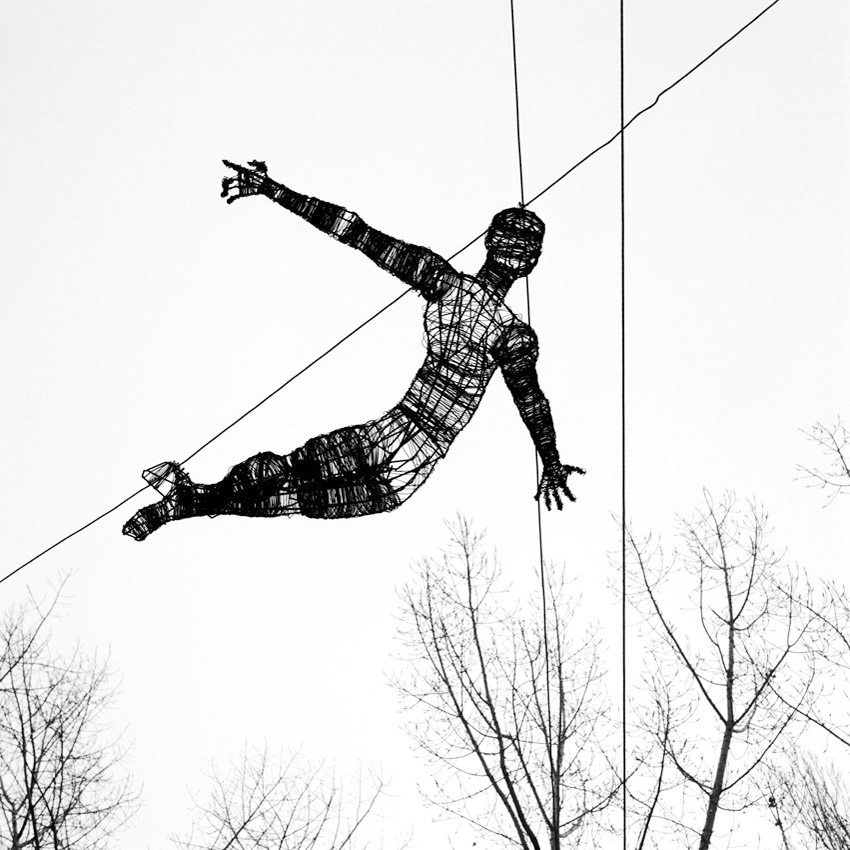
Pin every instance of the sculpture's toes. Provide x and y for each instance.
(144, 522)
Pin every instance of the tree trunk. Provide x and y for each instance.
(728, 729)
(716, 790)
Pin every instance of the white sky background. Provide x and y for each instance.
(142, 314)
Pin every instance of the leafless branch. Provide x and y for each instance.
(509, 714)
(262, 802)
(61, 783)
(834, 476)
(750, 637)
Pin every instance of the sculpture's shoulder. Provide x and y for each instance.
(515, 340)
(441, 281)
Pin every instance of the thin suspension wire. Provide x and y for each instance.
(286, 383)
(74, 533)
(536, 458)
(298, 374)
(516, 101)
(623, 400)
(406, 292)
(631, 120)
(654, 102)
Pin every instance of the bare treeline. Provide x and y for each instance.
(731, 668)
(506, 702)
(61, 780)
(740, 710)
(263, 801)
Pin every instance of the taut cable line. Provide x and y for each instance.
(622, 134)
(542, 566)
(374, 316)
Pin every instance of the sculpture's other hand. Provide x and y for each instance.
(249, 180)
(553, 483)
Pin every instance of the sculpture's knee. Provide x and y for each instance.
(335, 477)
(263, 468)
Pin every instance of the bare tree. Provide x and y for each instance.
(263, 802)
(814, 803)
(655, 779)
(834, 475)
(829, 610)
(731, 625)
(60, 780)
(508, 703)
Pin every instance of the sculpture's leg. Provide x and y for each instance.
(260, 486)
(351, 472)
(177, 503)
(343, 474)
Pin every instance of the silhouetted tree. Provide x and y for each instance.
(834, 475)
(61, 785)
(732, 627)
(508, 702)
(263, 802)
(831, 608)
(812, 804)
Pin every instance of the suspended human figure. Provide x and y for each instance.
(375, 467)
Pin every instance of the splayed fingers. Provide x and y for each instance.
(248, 180)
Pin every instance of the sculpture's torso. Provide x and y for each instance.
(461, 329)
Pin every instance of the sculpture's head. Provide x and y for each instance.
(514, 241)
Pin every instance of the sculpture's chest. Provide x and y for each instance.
(465, 323)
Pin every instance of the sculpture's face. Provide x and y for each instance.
(512, 253)
(514, 242)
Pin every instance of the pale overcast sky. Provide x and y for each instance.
(141, 314)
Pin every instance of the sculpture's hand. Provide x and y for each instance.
(250, 180)
(553, 482)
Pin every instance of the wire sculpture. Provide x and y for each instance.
(376, 466)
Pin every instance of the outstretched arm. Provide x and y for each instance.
(420, 268)
(516, 355)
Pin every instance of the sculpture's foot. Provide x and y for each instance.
(176, 503)
(145, 522)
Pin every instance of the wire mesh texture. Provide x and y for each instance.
(376, 466)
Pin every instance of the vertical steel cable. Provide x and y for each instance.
(623, 397)
(536, 459)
